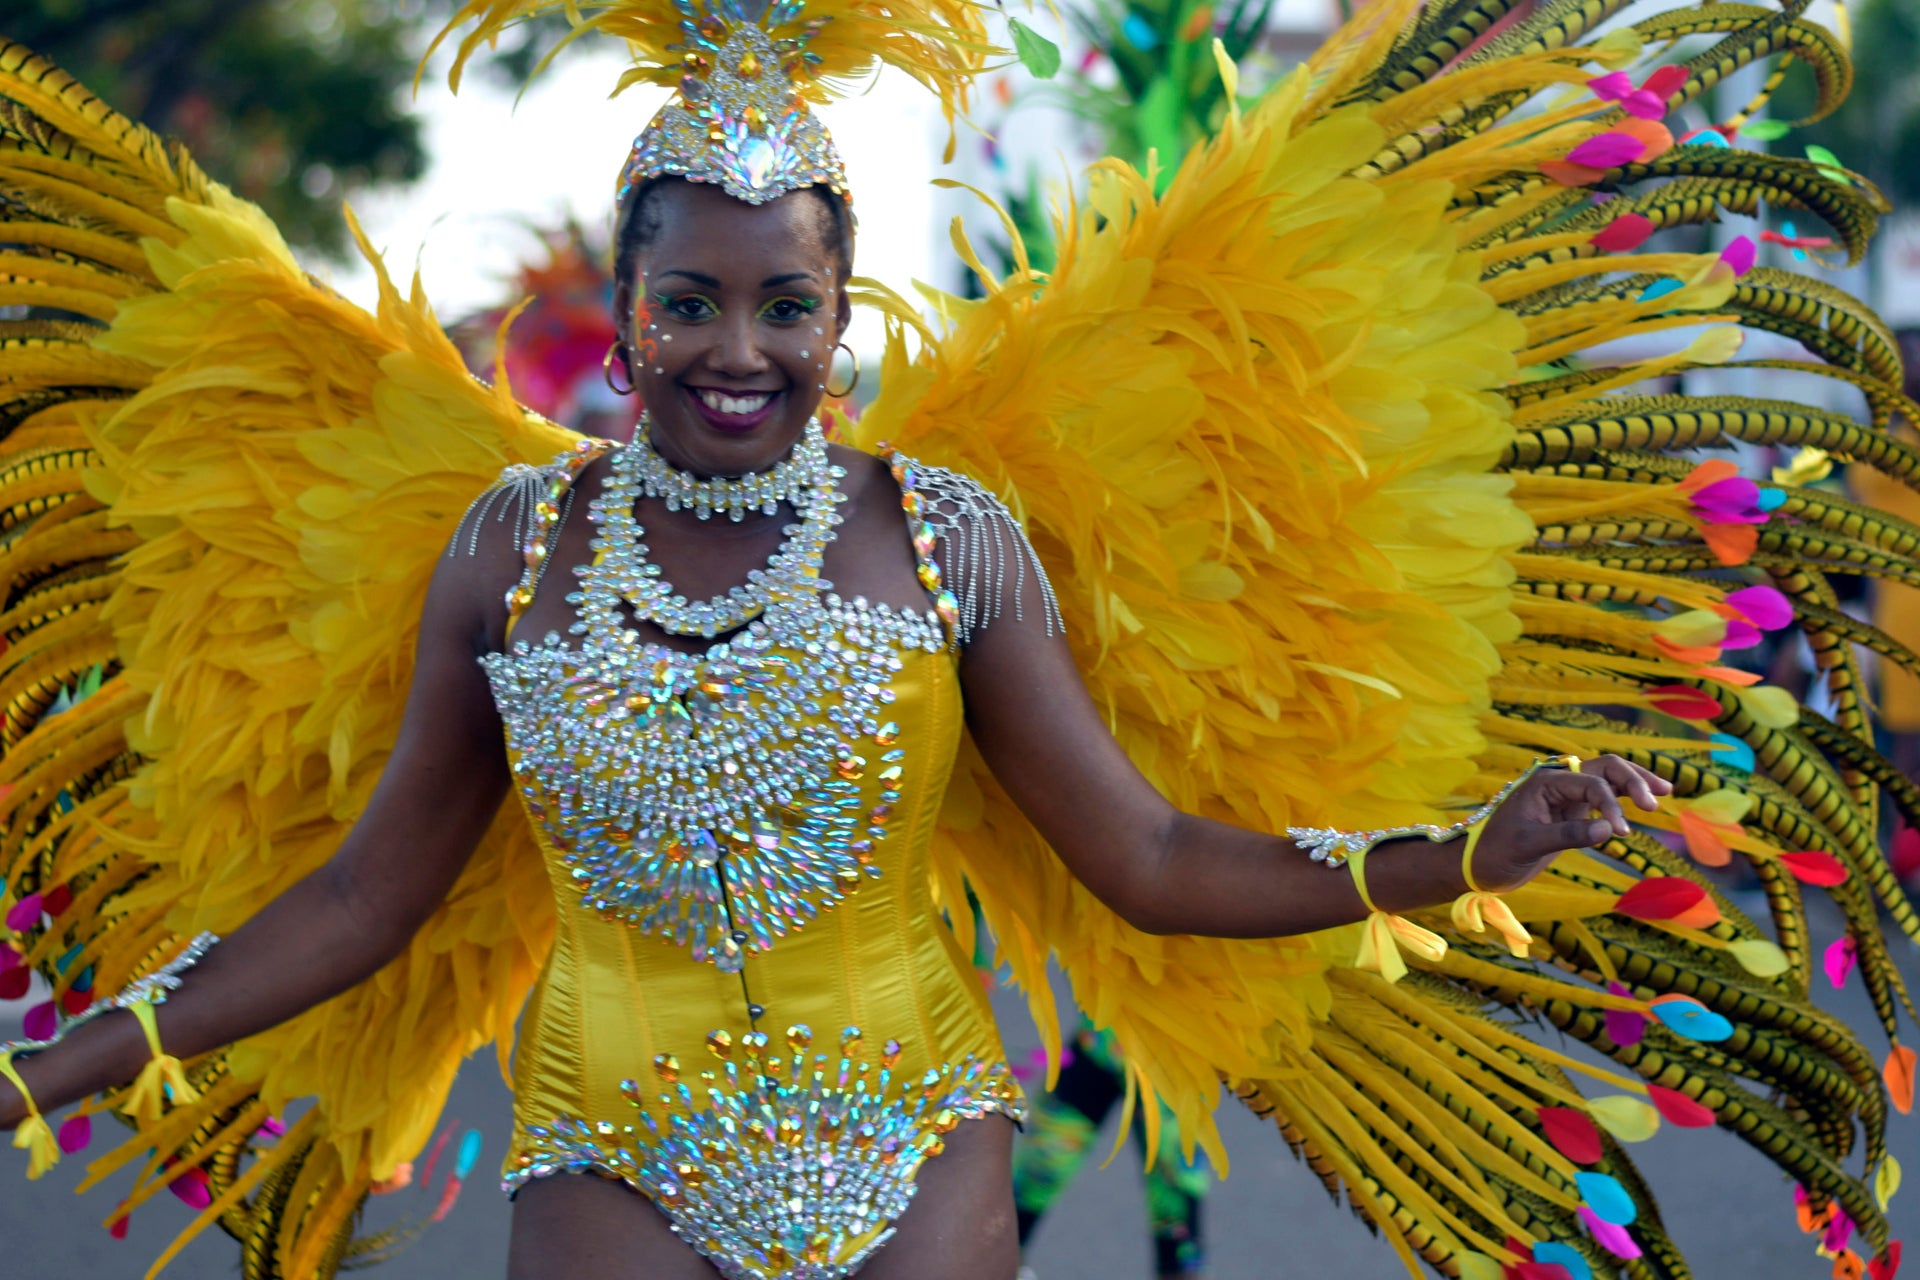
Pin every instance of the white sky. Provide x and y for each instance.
(498, 168)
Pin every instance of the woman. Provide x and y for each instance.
(730, 737)
(746, 303)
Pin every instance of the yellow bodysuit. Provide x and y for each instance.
(753, 1012)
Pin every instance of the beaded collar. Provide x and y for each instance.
(792, 480)
(621, 574)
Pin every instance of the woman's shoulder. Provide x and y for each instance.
(975, 543)
(946, 498)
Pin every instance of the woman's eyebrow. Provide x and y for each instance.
(696, 277)
(774, 282)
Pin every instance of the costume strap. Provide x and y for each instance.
(162, 1081)
(542, 514)
(1387, 933)
(1477, 910)
(906, 474)
(35, 1135)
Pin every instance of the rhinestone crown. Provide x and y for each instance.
(739, 119)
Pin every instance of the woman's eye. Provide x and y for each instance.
(689, 307)
(788, 310)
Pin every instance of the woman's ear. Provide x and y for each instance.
(623, 310)
(842, 311)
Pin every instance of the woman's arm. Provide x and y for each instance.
(436, 797)
(1165, 871)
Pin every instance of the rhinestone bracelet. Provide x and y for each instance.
(1333, 847)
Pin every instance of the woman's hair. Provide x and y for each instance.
(639, 222)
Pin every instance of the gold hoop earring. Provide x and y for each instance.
(855, 357)
(606, 369)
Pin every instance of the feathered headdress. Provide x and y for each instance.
(748, 76)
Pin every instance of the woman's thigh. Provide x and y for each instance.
(582, 1227)
(960, 1225)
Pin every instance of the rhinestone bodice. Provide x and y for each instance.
(697, 798)
(738, 844)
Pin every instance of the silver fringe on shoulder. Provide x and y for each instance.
(511, 500)
(986, 558)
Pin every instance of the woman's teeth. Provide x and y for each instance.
(720, 402)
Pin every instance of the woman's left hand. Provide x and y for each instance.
(1555, 810)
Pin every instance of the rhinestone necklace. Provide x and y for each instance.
(621, 570)
(789, 480)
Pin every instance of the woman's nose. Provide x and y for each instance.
(737, 353)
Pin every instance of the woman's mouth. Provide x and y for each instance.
(735, 412)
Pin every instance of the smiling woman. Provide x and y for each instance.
(728, 314)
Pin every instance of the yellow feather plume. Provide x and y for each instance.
(941, 43)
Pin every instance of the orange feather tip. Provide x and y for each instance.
(1898, 1074)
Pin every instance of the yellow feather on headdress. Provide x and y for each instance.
(941, 43)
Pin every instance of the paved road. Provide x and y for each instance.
(1270, 1220)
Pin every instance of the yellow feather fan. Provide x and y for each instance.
(1323, 564)
(195, 535)
(942, 44)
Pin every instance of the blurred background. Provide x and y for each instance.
(506, 194)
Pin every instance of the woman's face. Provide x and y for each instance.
(735, 311)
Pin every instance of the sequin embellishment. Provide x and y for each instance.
(795, 1166)
(718, 800)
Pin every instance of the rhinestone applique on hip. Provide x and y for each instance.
(791, 1169)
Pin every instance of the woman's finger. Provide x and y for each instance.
(1580, 833)
(1596, 792)
(1628, 778)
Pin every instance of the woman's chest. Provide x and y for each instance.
(723, 799)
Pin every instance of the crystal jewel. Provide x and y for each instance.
(791, 480)
(739, 120)
(779, 1171)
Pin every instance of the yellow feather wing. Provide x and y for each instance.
(1331, 553)
(214, 570)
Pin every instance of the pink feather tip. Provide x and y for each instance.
(75, 1133)
(192, 1189)
(1614, 1240)
(1840, 957)
(25, 914)
(1608, 151)
(1765, 607)
(40, 1021)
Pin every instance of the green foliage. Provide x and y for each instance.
(295, 104)
(1039, 55)
(1170, 94)
(1876, 131)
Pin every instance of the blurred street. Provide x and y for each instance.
(1730, 1210)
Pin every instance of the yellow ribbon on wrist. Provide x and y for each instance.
(1384, 933)
(1478, 911)
(161, 1080)
(34, 1135)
